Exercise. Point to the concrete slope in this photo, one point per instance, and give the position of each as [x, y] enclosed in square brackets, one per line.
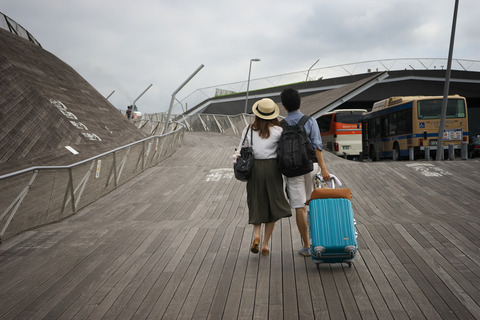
[45, 105]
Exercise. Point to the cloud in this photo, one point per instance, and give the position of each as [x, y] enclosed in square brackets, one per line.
[127, 45]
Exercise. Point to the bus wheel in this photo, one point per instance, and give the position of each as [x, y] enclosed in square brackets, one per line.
[396, 147]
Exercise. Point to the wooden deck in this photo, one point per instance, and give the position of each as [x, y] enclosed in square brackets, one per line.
[173, 243]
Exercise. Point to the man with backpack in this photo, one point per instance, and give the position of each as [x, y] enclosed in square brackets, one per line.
[300, 157]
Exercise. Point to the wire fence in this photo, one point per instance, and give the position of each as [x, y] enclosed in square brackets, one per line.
[203, 94]
[10, 25]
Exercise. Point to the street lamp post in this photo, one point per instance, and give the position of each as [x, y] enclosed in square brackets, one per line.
[134, 101]
[308, 72]
[248, 82]
[441, 128]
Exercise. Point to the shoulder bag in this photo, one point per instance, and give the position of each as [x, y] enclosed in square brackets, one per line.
[244, 165]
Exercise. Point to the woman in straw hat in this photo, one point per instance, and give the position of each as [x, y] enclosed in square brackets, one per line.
[265, 196]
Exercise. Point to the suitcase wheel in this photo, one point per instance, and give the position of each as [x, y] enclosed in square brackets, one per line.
[350, 250]
[319, 250]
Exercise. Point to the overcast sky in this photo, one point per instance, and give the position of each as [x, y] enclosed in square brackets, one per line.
[127, 45]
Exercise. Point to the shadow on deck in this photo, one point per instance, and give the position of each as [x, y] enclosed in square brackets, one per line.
[173, 243]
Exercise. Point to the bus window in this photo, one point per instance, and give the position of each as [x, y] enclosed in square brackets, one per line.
[455, 109]
[384, 127]
[348, 117]
[392, 124]
[404, 121]
[324, 123]
[371, 128]
[377, 128]
[432, 109]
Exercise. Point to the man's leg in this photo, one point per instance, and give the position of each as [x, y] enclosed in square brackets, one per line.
[301, 217]
[297, 192]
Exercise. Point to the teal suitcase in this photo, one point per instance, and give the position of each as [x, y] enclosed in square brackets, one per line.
[332, 230]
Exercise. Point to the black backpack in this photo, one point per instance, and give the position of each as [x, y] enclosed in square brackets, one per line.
[296, 154]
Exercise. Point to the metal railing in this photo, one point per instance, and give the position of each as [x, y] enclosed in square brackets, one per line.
[41, 195]
[203, 94]
[15, 28]
[224, 124]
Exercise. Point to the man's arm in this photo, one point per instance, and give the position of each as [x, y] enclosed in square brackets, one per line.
[316, 140]
[321, 165]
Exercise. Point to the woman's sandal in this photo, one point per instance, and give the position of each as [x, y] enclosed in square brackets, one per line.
[265, 251]
[254, 247]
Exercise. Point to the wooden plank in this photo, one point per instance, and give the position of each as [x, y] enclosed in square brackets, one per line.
[226, 275]
[399, 260]
[113, 271]
[425, 277]
[371, 288]
[290, 307]
[275, 290]
[146, 293]
[60, 297]
[247, 303]
[125, 299]
[37, 283]
[182, 276]
[211, 286]
[400, 302]
[234, 297]
[182, 251]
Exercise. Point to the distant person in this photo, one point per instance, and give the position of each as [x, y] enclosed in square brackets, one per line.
[299, 188]
[265, 196]
[128, 113]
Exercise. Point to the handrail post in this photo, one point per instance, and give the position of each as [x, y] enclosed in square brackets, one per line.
[72, 192]
[173, 97]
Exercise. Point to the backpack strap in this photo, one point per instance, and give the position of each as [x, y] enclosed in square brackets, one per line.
[303, 120]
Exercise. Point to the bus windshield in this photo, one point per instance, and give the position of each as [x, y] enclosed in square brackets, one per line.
[432, 109]
[348, 117]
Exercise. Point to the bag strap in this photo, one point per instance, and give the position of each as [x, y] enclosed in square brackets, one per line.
[251, 136]
[303, 120]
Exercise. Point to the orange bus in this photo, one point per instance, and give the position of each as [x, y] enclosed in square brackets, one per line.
[341, 131]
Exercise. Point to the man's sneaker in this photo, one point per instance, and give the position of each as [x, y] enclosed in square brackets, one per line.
[304, 251]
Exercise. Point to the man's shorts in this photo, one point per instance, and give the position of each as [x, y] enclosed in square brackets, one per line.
[300, 188]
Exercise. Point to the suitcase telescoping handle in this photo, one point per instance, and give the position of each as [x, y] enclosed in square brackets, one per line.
[318, 182]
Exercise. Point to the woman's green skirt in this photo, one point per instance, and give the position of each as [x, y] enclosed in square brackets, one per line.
[265, 193]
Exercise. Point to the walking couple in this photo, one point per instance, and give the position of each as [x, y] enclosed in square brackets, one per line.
[265, 195]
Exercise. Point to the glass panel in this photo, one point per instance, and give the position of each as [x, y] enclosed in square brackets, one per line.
[324, 123]
[432, 109]
[348, 117]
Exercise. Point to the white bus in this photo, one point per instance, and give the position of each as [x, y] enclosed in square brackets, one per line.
[341, 131]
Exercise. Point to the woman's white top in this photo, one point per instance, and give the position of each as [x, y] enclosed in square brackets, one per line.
[263, 148]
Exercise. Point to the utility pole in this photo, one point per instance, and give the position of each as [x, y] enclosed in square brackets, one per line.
[445, 89]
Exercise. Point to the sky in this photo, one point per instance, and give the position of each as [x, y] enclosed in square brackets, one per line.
[124, 46]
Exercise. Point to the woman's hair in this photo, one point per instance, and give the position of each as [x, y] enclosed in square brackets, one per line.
[263, 126]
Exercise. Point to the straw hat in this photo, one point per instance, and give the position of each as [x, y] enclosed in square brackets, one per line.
[266, 109]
